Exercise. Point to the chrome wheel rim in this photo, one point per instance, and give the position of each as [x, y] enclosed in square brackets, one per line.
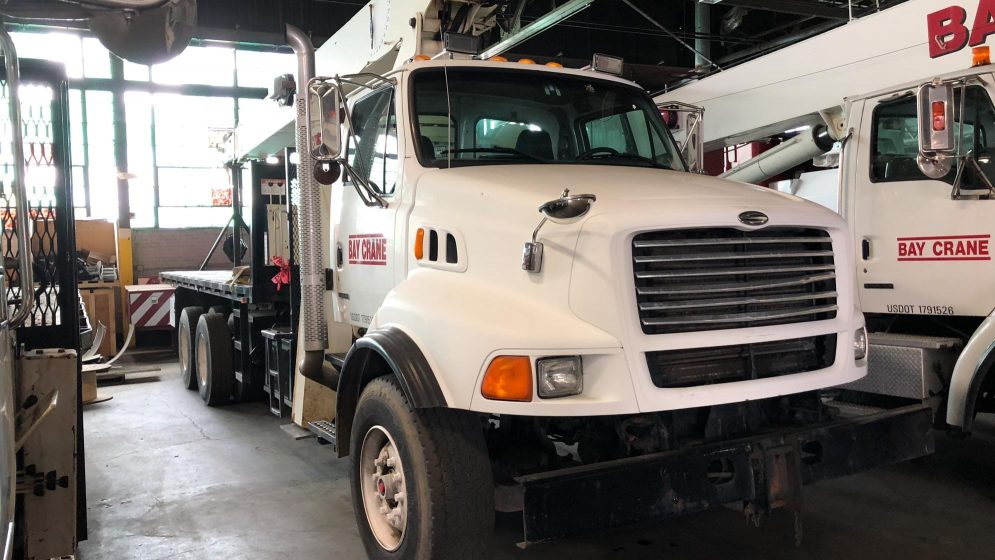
[202, 361]
[184, 350]
[381, 479]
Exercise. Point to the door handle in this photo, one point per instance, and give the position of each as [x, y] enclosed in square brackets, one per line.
[865, 248]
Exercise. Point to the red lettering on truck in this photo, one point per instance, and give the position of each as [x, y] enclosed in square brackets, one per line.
[368, 249]
[948, 31]
[945, 248]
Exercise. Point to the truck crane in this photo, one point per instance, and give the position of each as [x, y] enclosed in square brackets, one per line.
[523, 300]
[910, 106]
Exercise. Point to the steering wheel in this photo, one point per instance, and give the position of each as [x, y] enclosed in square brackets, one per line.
[599, 150]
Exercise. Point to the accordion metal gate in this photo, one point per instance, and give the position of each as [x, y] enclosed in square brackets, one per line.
[55, 320]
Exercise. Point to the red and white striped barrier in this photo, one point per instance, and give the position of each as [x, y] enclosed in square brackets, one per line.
[150, 305]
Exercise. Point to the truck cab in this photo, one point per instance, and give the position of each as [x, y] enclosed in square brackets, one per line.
[924, 231]
[531, 280]
[441, 258]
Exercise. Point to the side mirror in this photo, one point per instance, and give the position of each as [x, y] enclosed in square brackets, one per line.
[937, 145]
[686, 124]
[568, 208]
[324, 132]
[563, 210]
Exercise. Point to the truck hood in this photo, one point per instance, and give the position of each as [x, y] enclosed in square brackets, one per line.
[609, 182]
[493, 210]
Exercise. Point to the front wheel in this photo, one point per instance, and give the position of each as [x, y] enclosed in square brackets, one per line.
[421, 479]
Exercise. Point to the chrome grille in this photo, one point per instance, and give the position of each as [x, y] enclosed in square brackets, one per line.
[722, 278]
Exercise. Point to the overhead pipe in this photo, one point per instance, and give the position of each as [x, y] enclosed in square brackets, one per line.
[312, 265]
[124, 4]
[805, 146]
[702, 32]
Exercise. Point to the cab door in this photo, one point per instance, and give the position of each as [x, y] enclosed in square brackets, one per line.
[364, 236]
[920, 251]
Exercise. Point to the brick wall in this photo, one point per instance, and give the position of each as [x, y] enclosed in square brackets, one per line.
[159, 250]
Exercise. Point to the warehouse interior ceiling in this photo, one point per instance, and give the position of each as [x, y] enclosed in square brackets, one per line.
[662, 42]
[648, 33]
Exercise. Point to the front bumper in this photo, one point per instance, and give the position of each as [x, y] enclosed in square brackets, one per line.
[763, 471]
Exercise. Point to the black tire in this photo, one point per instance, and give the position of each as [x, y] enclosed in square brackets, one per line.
[218, 309]
[448, 487]
[214, 341]
[186, 334]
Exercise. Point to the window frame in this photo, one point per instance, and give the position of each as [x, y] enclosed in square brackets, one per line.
[412, 108]
[391, 111]
[880, 104]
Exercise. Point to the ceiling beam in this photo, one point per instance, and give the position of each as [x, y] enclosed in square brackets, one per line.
[794, 7]
[541, 24]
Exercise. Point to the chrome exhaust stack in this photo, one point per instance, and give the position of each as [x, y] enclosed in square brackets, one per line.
[312, 265]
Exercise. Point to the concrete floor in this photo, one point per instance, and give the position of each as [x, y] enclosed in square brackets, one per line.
[170, 478]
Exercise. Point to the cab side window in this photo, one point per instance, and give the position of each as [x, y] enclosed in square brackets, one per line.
[895, 142]
[372, 151]
[895, 137]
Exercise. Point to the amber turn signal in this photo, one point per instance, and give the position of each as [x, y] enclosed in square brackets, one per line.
[420, 244]
[508, 378]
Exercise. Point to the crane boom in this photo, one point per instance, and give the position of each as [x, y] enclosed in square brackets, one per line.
[799, 84]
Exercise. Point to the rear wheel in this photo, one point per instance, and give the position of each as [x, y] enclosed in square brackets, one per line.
[215, 374]
[186, 333]
[421, 479]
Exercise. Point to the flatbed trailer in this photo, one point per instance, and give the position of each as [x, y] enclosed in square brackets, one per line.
[256, 311]
[213, 282]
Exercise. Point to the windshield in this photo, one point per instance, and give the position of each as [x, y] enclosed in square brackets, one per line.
[494, 116]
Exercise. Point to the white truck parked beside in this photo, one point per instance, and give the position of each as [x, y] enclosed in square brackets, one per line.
[914, 181]
[524, 301]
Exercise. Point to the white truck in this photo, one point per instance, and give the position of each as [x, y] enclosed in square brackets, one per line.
[913, 179]
[524, 301]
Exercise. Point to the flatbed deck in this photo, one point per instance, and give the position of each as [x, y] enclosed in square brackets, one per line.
[215, 282]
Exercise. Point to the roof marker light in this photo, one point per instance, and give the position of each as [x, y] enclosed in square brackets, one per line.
[554, 65]
[526, 61]
[498, 58]
[981, 56]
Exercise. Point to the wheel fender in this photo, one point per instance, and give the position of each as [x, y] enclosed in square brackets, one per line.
[388, 350]
[972, 367]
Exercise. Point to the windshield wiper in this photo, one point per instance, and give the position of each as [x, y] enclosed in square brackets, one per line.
[624, 156]
[498, 150]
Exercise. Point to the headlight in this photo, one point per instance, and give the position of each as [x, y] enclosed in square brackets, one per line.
[860, 344]
[560, 377]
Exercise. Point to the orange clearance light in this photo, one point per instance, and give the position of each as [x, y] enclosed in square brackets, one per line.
[498, 58]
[554, 65]
[526, 61]
[939, 116]
[422, 57]
[420, 244]
[982, 56]
[508, 378]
